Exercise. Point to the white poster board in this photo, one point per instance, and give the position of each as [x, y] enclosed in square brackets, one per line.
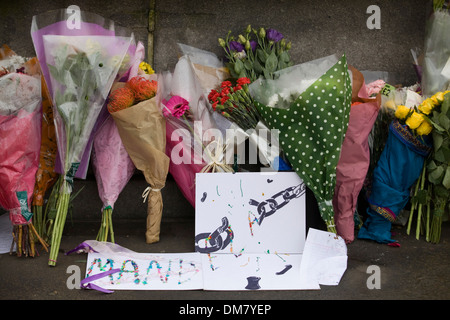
[250, 229]
[250, 213]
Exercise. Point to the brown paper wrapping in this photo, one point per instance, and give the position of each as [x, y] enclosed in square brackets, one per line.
[142, 129]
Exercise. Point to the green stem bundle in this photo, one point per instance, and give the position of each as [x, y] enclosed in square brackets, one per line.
[106, 226]
[60, 220]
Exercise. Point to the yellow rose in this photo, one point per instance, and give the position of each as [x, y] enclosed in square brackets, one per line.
[402, 112]
[424, 128]
[439, 97]
[390, 104]
[414, 120]
[427, 106]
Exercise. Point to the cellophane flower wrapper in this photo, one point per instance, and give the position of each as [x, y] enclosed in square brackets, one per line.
[185, 135]
[113, 167]
[399, 166]
[79, 66]
[354, 161]
[20, 131]
[56, 23]
[210, 73]
[310, 104]
[436, 61]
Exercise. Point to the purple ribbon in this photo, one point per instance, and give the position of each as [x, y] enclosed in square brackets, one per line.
[85, 283]
[83, 247]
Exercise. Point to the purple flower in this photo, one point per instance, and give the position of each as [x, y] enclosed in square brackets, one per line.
[253, 45]
[236, 46]
[273, 35]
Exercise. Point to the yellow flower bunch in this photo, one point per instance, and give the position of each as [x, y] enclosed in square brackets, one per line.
[144, 66]
[417, 120]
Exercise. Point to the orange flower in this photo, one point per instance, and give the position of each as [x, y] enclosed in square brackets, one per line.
[120, 98]
[143, 89]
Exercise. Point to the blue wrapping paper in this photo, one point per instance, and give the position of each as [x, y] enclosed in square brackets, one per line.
[399, 166]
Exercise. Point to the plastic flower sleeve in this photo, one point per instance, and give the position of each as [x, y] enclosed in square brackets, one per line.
[312, 119]
[20, 129]
[187, 135]
[80, 65]
[112, 165]
[436, 62]
[67, 22]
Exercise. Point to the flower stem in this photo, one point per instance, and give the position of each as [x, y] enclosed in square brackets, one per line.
[60, 220]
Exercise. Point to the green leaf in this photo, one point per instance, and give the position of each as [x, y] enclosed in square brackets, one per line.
[238, 66]
[444, 121]
[445, 106]
[431, 165]
[437, 141]
[271, 63]
[436, 175]
[257, 67]
[54, 72]
[262, 55]
[422, 197]
[248, 65]
[446, 180]
[284, 56]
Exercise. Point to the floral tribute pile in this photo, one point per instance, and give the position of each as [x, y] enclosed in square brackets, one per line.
[88, 97]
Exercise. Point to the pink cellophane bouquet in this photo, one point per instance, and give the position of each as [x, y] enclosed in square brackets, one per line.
[20, 132]
[112, 165]
[79, 65]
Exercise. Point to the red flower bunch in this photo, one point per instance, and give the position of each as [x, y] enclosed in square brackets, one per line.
[143, 88]
[234, 102]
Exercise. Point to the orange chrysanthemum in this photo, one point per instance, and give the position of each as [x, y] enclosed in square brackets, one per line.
[143, 88]
[120, 98]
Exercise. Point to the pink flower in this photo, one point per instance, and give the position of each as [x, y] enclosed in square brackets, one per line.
[176, 106]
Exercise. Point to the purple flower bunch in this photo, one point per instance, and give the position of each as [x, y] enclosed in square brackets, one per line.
[256, 53]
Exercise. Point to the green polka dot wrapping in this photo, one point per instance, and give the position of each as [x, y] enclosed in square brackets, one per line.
[312, 130]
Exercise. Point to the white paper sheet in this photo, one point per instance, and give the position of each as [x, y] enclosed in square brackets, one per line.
[324, 258]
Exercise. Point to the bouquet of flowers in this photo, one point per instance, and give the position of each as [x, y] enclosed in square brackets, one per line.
[112, 165]
[431, 194]
[79, 68]
[75, 22]
[135, 109]
[20, 129]
[354, 161]
[188, 117]
[235, 102]
[310, 104]
[399, 166]
[256, 53]
[46, 175]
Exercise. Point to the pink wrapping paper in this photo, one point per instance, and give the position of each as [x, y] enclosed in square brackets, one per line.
[113, 167]
[19, 159]
[183, 174]
[353, 163]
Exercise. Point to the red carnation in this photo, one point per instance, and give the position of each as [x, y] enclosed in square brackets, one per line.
[243, 80]
[225, 84]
